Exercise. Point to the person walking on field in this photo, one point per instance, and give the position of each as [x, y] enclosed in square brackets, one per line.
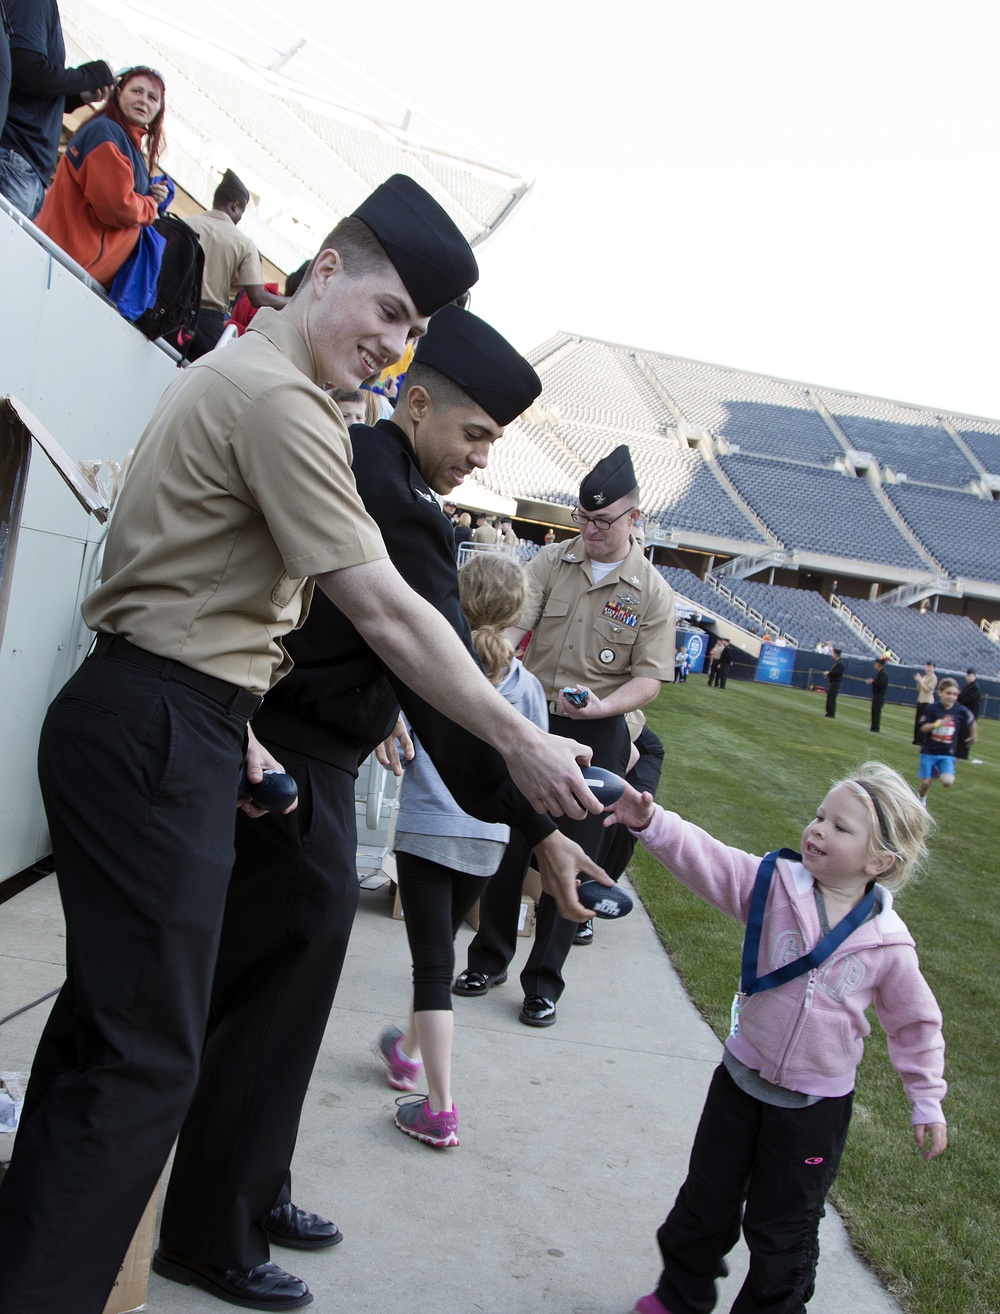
[834, 677]
[879, 685]
[926, 682]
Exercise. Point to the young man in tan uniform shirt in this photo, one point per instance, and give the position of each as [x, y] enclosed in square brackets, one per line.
[240, 489]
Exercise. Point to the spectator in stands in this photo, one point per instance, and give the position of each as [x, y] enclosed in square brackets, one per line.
[879, 684]
[834, 677]
[550, 535]
[484, 531]
[970, 697]
[244, 309]
[444, 857]
[600, 586]
[463, 530]
[230, 258]
[106, 188]
[507, 536]
[926, 682]
[941, 726]
[42, 89]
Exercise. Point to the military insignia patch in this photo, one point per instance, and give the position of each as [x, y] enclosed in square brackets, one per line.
[607, 656]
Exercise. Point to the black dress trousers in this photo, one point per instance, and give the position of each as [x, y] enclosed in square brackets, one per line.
[289, 913]
[494, 945]
[139, 778]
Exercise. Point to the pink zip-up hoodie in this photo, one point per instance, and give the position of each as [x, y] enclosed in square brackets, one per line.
[808, 1035]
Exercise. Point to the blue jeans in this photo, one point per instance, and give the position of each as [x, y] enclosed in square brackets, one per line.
[20, 183]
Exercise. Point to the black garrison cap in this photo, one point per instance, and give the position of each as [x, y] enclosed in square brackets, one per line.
[611, 478]
[233, 186]
[481, 362]
[431, 256]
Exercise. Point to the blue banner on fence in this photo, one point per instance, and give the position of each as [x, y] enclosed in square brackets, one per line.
[775, 664]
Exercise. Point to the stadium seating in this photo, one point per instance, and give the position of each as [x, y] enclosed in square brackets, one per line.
[689, 586]
[983, 439]
[952, 643]
[761, 415]
[805, 615]
[902, 439]
[820, 510]
[962, 532]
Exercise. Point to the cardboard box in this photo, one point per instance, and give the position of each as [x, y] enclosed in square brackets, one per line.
[530, 895]
[129, 1292]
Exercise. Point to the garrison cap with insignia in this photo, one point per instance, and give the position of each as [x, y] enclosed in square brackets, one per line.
[610, 479]
[481, 362]
[429, 253]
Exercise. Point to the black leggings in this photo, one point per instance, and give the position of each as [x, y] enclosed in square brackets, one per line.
[435, 900]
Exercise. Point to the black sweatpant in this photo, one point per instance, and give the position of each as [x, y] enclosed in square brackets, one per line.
[773, 1167]
[139, 778]
[435, 901]
[878, 702]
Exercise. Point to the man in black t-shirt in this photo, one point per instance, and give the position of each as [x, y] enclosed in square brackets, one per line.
[970, 697]
[833, 677]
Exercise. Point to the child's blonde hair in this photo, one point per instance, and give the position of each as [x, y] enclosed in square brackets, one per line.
[948, 683]
[492, 588]
[898, 825]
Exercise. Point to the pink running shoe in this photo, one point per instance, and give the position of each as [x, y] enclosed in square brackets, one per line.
[402, 1072]
[415, 1118]
[650, 1304]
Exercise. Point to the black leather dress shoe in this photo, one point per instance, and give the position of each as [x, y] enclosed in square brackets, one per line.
[287, 1225]
[265, 1287]
[476, 983]
[537, 1011]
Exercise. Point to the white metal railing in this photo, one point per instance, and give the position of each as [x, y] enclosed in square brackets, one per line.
[750, 612]
[856, 623]
[991, 629]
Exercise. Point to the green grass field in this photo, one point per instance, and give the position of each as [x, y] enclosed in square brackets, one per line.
[749, 764]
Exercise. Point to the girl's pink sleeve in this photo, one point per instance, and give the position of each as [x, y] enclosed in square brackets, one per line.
[722, 876]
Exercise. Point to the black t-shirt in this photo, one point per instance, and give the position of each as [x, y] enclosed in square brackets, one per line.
[955, 725]
[38, 96]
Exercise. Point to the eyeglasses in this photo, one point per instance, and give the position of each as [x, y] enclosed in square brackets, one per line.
[599, 522]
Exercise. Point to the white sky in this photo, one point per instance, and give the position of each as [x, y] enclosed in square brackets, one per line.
[790, 187]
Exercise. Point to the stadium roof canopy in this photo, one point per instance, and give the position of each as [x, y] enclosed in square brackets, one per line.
[307, 159]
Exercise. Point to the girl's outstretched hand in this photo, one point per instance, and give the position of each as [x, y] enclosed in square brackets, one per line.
[938, 1137]
[632, 809]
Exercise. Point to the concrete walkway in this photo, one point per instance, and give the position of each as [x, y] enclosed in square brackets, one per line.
[574, 1139]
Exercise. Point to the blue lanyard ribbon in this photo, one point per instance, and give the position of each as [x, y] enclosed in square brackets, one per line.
[750, 982]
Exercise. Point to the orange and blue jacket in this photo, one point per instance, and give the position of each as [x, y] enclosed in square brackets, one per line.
[97, 202]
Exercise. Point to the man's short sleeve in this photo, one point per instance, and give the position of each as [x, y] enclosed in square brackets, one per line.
[653, 651]
[249, 273]
[293, 458]
[537, 573]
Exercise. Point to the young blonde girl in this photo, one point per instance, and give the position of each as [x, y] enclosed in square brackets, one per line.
[770, 1138]
[443, 858]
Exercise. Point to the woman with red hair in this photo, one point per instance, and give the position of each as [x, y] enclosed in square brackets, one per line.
[101, 195]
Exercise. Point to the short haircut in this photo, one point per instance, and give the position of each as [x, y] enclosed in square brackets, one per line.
[970, 671]
[444, 392]
[837, 652]
[898, 824]
[228, 192]
[358, 247]
[947, 683]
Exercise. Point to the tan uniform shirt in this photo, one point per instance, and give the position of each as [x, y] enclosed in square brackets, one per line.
[926, 684]
[598, 635]
[230, 257]
[484, 534]
[239, 490]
